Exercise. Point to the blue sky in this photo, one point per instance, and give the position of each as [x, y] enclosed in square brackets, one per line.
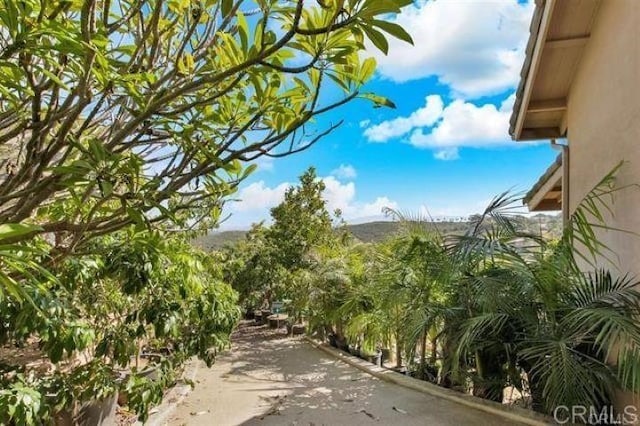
[445, 148]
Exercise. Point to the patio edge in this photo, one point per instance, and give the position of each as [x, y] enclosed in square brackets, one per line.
[512, 413]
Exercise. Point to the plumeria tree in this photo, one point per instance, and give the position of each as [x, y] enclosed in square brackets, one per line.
[120, 112]
[126, 122]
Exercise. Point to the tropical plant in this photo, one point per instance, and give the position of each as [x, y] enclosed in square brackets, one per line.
[499, 306]
[125, 122]
[535, 310]
[142, 295]
[277, 262]
[145, 112]
[301, 222]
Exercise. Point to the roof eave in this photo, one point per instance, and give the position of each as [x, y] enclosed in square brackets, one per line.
[537, 34]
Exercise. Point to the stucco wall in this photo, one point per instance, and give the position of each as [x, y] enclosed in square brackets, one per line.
[604, 128]
[604, 121]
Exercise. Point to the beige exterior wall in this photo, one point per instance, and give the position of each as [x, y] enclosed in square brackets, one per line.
[604, 121]
[604, 127]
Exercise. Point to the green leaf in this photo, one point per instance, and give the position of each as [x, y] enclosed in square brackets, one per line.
[56, 352]
[243, 30]
[402, 3]
[249, 170]
[226, 7]
[106, 187]
[393, 29]
[377, 38]
[10, 230]
[379, 101]
[367, 69]
[54, 78]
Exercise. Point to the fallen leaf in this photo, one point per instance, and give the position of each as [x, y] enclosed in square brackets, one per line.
[368, 414]
[399, 410]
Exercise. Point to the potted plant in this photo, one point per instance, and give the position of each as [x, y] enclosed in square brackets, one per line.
[385, 355]
[249, 313]
[333, 340]
[298, 329]
[264, 316]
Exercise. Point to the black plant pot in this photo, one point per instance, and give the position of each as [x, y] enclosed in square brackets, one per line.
[373, 358]
[333, 341]
[386, 355]
[343, 345]
[250, 314]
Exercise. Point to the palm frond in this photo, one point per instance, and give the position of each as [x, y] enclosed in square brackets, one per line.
[567, 376]
[590, 215]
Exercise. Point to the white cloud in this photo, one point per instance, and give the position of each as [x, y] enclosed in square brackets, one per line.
[375, 208]
[459, 124]
[337, 194]
[475, 47]
[264, 163]
[464, 124]
[447, 154]
[258, 196]
[345, 171]
[364, 123]
[425, 116]
[256, 200]
[343, 196]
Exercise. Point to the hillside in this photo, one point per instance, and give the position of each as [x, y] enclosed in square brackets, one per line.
[372, 232]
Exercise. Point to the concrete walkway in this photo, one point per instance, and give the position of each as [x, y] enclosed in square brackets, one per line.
[269, 379]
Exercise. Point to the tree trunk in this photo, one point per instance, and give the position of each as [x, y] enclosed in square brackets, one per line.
[535, 389]
[398, 350]
[434, 351]
[489, 384]
[423, 354]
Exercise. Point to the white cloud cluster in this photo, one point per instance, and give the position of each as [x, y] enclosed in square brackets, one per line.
[258, 196]
[459, 124]
[345, 171]
[256, 199]
[364, 123]
[425, 116]
[264, 163]
[343, 196]
[475, 47]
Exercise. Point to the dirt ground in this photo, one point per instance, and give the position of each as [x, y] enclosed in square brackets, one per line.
[269, 379]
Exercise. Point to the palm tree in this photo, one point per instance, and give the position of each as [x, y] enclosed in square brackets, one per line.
[534, 310]
[419, 269]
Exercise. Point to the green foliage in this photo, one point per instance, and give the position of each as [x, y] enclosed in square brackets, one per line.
[278, 262]
[146, 113]
[301, 222]
[124, 123]
[498, 304]
[135, 290]
[19, 402]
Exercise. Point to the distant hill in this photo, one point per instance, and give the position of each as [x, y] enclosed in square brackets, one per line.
[373, 232]
[219, 240]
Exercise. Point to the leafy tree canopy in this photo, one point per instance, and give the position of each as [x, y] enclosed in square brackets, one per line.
[145, 112]
[301, 222]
